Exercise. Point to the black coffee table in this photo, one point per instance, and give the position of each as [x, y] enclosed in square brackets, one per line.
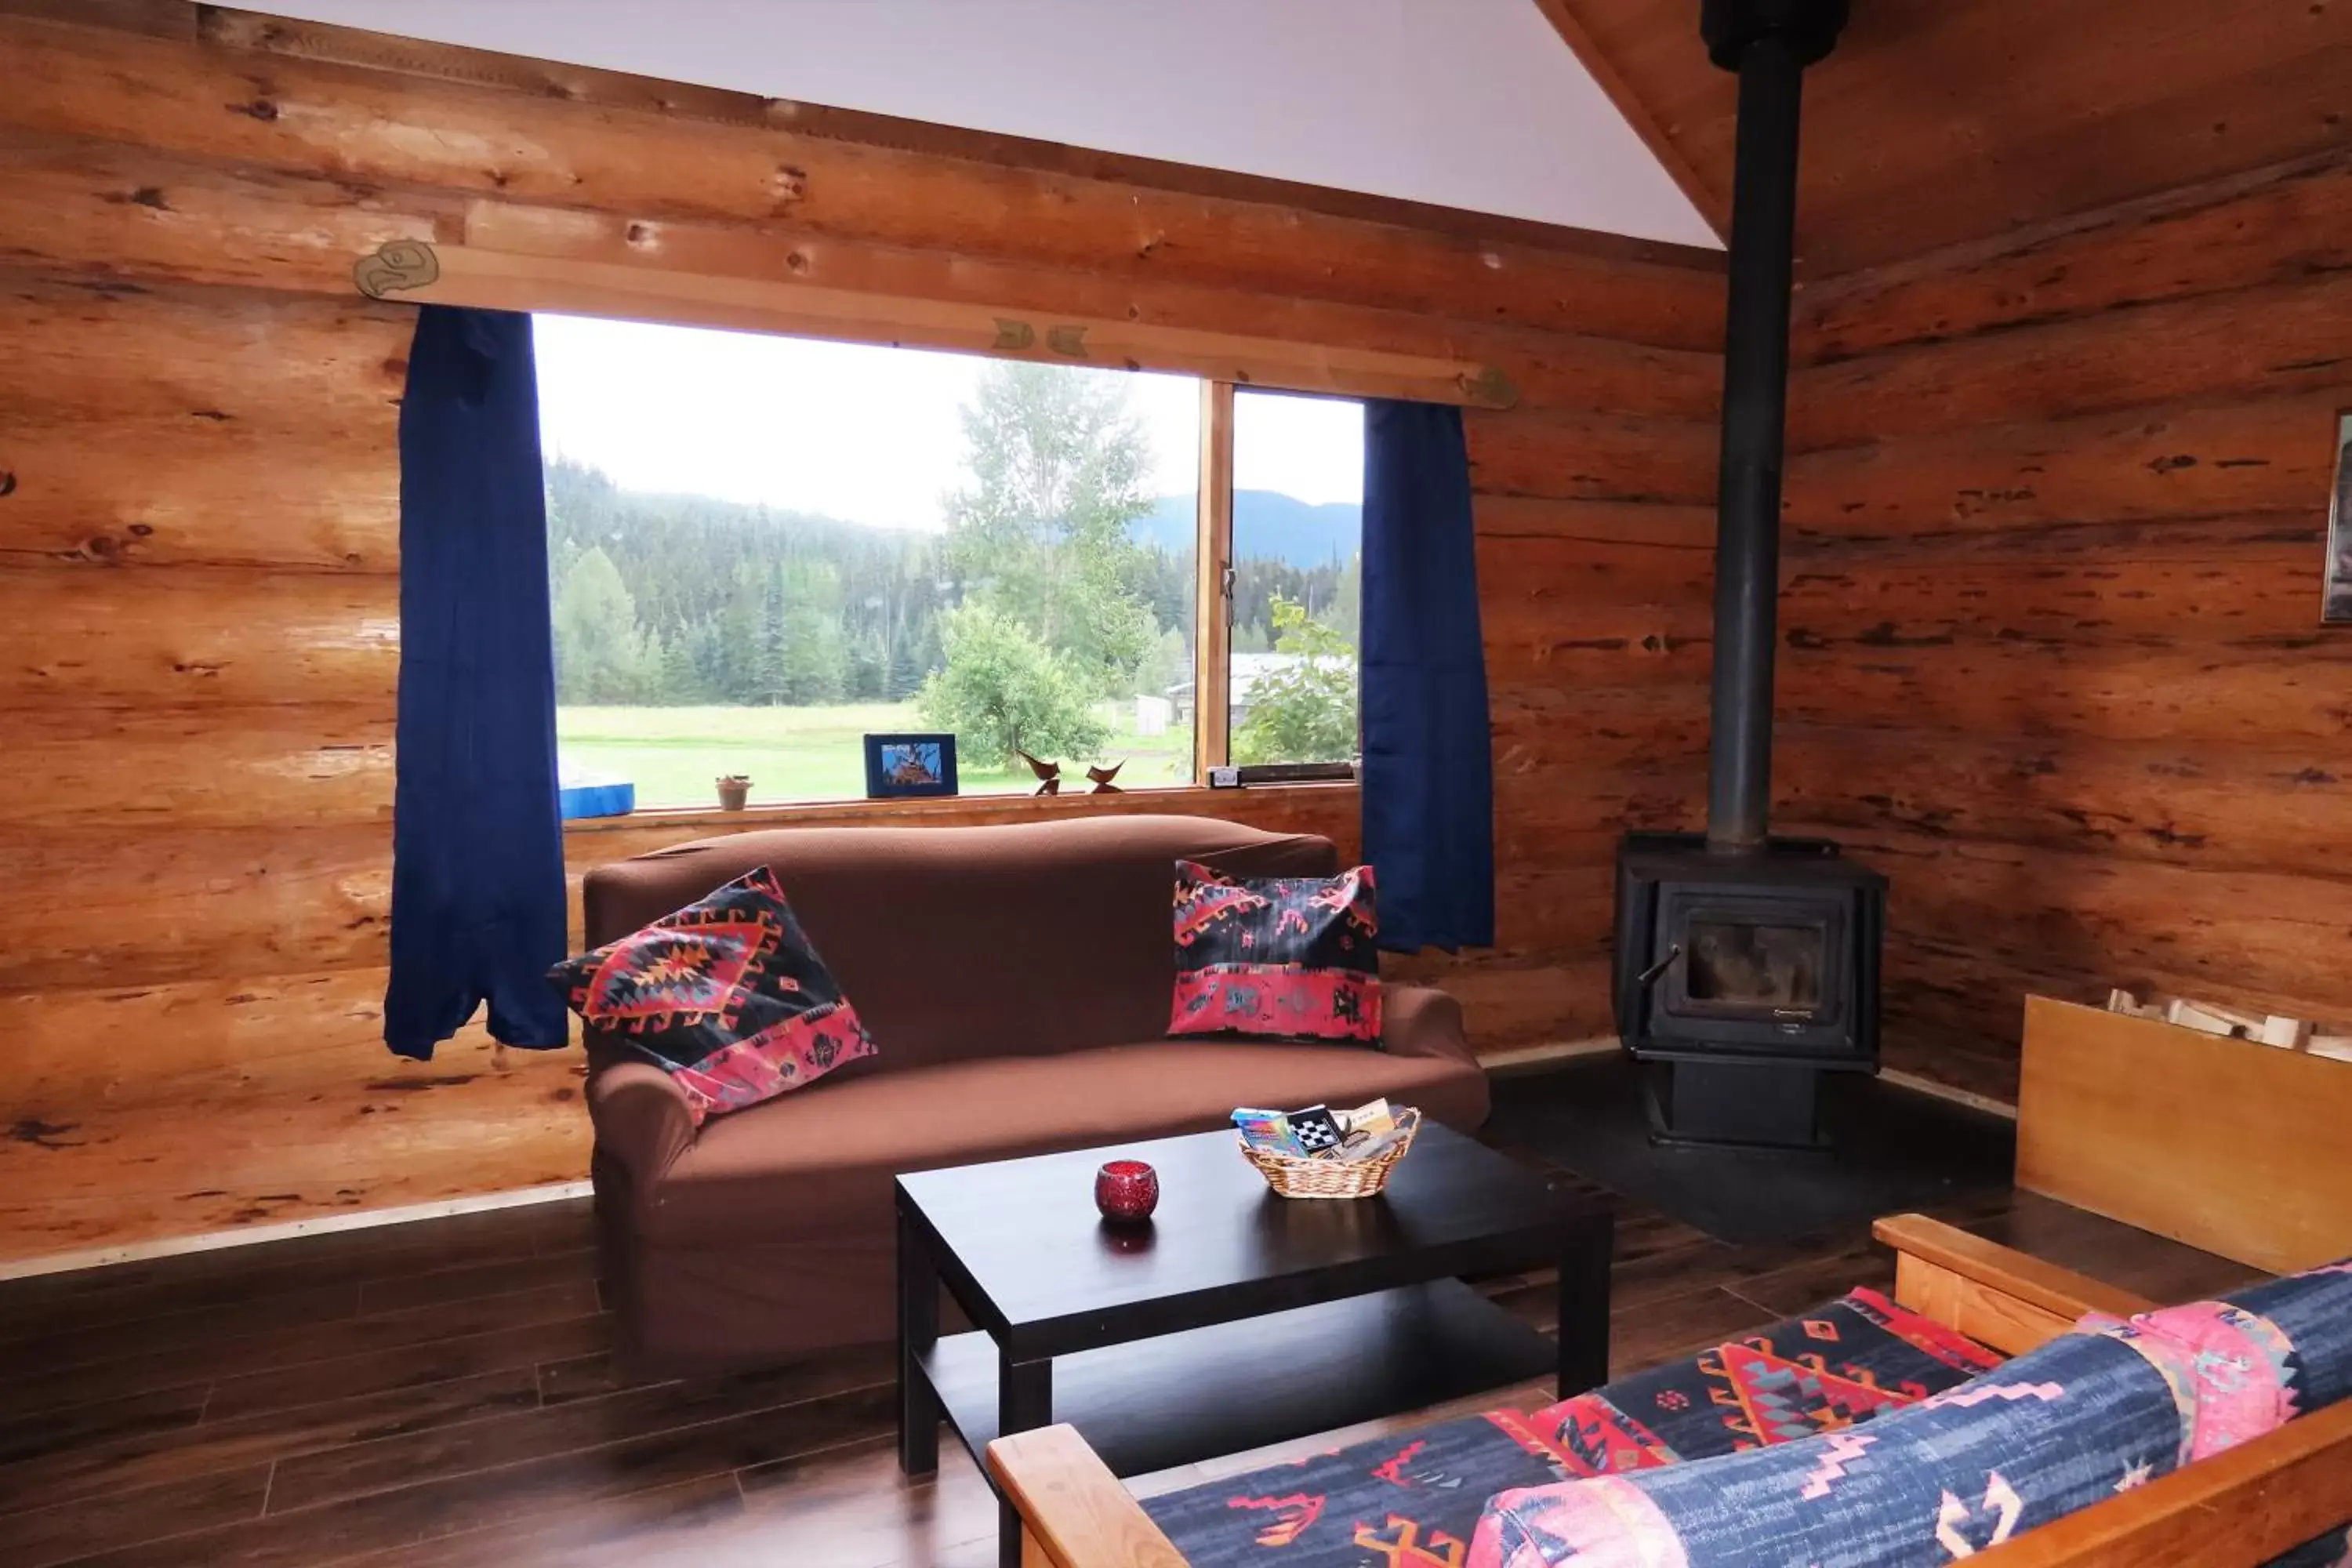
[1233, 1318]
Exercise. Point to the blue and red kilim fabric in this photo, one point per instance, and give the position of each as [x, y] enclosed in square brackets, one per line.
[1415, 1501]
[2092, 1414]
[727, 996]
[1282, 957]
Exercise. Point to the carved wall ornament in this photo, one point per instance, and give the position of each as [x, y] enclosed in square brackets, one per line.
[395, 265]
[1490, 388]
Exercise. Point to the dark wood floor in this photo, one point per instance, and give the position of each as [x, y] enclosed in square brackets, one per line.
[445, 1394]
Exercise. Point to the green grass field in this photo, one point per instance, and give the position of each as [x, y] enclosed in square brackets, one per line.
[673, 754]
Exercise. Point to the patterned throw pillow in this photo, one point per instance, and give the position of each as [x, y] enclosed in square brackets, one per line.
[1278, 957]
[726, 996]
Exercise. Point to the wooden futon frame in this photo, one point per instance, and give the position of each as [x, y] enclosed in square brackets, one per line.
[2225, 1144]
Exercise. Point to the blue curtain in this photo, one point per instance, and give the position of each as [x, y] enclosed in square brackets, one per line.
[1428, 784]
[477, 843]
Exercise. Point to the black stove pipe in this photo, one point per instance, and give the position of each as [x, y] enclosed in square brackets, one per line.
[1770, 43]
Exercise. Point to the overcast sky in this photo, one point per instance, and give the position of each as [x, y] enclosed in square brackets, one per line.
[862, 433]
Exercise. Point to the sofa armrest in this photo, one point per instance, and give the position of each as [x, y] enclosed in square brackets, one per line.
[1417, 1021]
[640, 1120]
[1073, 1513]
[1996, 1295]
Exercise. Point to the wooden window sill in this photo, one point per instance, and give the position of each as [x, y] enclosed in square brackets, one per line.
[1188, 799]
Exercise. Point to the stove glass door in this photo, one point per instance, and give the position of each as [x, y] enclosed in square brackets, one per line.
[1746, 963]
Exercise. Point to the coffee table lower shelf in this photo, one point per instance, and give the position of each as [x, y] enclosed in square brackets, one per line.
[1183, 1397]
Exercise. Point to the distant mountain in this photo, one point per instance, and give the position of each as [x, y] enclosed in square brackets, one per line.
[1268, 524]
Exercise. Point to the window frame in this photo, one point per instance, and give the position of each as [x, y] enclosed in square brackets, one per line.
[1213, 655]
[1213, 586]
[1212, 627]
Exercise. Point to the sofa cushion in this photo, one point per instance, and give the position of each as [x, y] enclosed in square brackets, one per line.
[820, 1166]
[725, 994]
[1277, 957]
[1407, 1497]
[1849, 1360]
[1840, 1365]
[908, 918]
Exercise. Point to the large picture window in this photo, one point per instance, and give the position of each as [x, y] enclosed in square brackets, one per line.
[764, 548]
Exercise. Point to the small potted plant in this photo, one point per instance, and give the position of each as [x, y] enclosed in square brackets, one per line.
[734, 789]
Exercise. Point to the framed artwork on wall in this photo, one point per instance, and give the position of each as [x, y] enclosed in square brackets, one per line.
[899, 766]
[2336, 606]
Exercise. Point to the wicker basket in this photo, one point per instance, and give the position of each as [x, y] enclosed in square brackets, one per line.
[1293, 1178]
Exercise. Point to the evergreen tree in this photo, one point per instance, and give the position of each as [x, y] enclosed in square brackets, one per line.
[695, 600]
[601, 654]
[905, 668]
[680, 682]
[1168, 663]
[1346, 614]
[811, 654]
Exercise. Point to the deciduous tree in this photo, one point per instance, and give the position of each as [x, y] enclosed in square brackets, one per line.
[1004, 691]
[1058, 465]
[1303, 711]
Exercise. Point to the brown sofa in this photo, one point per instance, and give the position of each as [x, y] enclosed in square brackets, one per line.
[1016, 981]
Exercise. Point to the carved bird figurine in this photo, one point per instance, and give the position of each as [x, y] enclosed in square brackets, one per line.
[1102, 777]
[1049, 775]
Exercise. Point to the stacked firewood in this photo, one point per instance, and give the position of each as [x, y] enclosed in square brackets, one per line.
[2214, 1018]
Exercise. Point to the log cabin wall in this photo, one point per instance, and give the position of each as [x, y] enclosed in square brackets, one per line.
[2051, 648]
[199, 636]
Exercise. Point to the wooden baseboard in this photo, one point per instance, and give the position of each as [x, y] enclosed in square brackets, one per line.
[1535, 1059]
[249, 1236]
[1546, 1053]
[1918, 1085]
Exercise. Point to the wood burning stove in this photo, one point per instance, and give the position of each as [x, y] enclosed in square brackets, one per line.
[1743, 978]
[1747, 967]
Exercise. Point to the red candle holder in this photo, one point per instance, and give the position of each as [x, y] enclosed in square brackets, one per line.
[1127, 1190]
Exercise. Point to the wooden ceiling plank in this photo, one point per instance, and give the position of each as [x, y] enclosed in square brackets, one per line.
[1942, 125]
[1972, 133]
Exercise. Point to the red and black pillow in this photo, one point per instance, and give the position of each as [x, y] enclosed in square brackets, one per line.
[727, 996]
[1277, 957]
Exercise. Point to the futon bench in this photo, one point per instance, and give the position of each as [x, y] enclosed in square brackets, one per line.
[2232, 1504]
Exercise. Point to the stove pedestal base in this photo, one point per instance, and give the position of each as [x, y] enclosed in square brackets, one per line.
[1737, 1105]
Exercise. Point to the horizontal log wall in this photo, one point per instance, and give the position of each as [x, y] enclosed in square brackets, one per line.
[199, 634]
[2052, 653]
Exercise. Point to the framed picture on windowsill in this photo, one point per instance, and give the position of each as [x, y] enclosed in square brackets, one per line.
[2335, 605]
[901, 768]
